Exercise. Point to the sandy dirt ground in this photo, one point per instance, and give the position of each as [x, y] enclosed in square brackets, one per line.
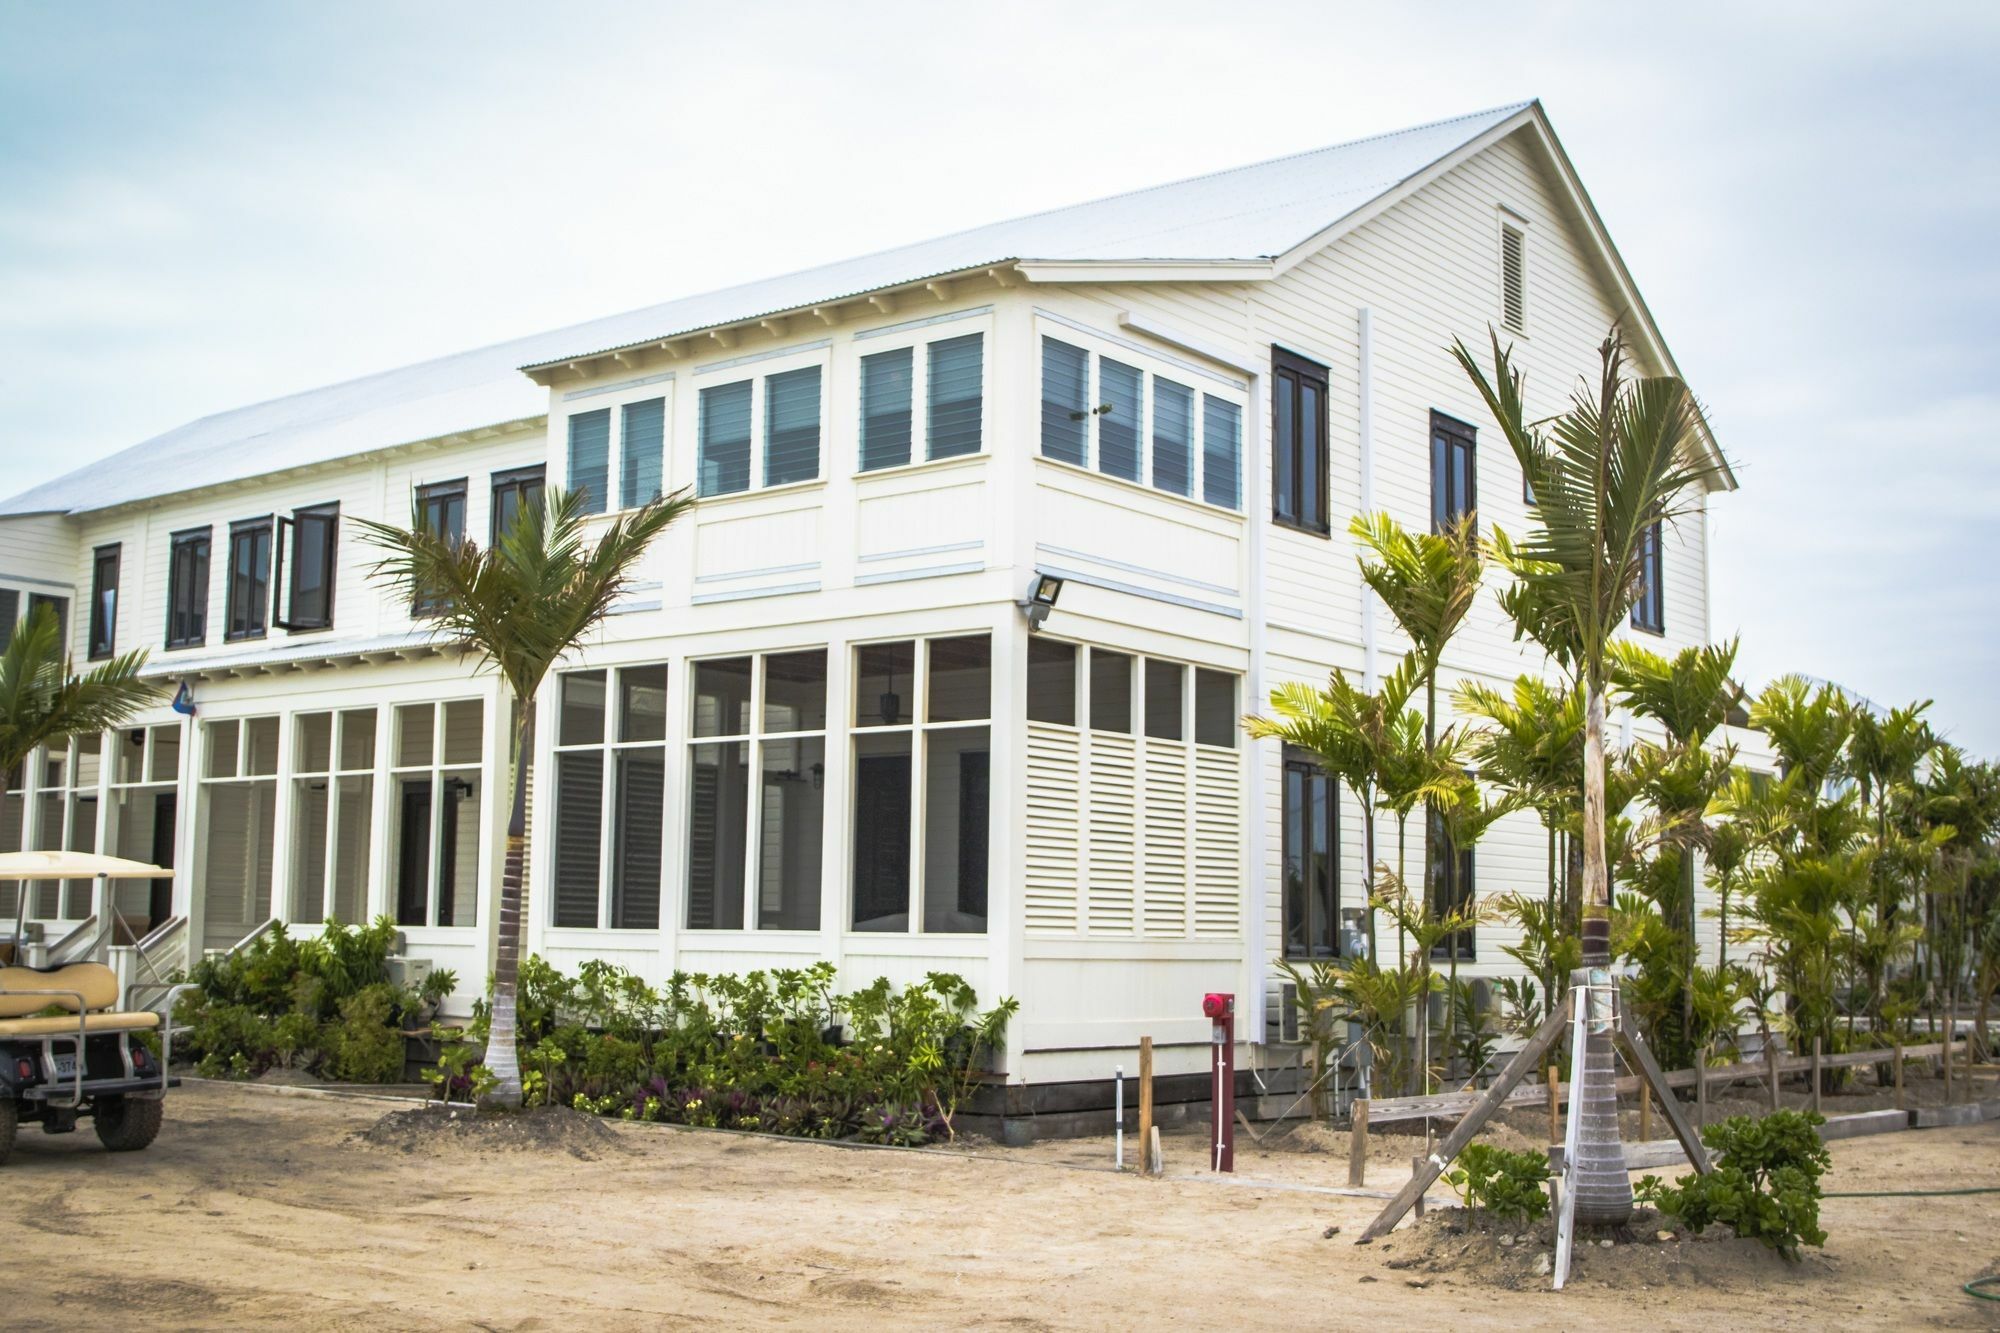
[256, 1208]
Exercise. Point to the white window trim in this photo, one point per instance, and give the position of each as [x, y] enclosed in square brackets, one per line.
[918, 337]
[339, 721]
[616, 399]
[392, 773]
[758, 374]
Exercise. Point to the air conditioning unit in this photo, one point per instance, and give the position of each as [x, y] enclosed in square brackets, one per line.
[409, 972]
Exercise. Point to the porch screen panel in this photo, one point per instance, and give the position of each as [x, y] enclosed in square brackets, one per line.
[957, 395]
[637, 825]
[579, 806]
[1065, 409]
[1218, 842]
[886, 386]
[1054, 829]
[1114, 841]
[791, 427]
[1166, 841]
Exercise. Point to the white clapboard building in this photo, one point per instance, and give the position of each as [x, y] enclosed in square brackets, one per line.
[823, 726]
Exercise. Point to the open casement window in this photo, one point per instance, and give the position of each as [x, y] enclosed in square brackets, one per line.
[513, 492]
[1649, 608]
[104, 602]
[1298, 443]
[306, 544]
[187, 589]
[1454, 472]
[248, 579]
[440, 509]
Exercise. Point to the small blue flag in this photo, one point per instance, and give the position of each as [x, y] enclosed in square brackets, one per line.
[184, 700]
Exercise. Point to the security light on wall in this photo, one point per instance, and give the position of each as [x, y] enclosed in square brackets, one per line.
[1041, 599]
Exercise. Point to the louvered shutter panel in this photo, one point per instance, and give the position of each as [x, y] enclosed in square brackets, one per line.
[639, 452]
[1166, 846]
[1054, 829]
[1221, 452]
[1065, 405]
[1113, 833]
[1513, 278]
[1218, 842]
[724, 440]
[579, 805]
[956, 395]
[885, 409]
[590, 458]
[1173, 437]
[791, 427]
[1118, 429]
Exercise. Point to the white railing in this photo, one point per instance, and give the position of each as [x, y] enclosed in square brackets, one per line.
[75, 946]
[153, 960]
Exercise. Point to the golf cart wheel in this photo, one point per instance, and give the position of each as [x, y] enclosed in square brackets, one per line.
[10, 1121]
[127, 1124]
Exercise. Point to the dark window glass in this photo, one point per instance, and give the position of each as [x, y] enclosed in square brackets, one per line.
[795, 691]
[249, 579]
[956, 395]
[440, 510]
[590, 458]
[513, 493]
[642, 703]
[882, 832]
[1214, 707]
[187, 589]
[60, 607]
[1298, 442]
[1052, 682]
[957, 798]
[579, 836]
[1173, 437]
[722, 697]
[1121, 387]
[723, 453]
[791, 426]
[961, 679]
[580, 720]
[1065, 402]
[1451, 890]
[718, 816]
[10, 616]
[886, 387]
[1454, 491]
[1311, 821]
[637, 825]
[104, 602]
[306, 549]
[641, 444]
[884, 683]
[1649, 607]
[1221, 452]
[1110, 691]
[792, 823]
[1164, 683]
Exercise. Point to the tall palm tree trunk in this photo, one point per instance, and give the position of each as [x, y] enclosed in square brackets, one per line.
[502, 1047]
[1603, 1188]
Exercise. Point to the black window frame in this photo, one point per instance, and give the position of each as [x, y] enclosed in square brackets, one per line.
[300, 523]
[103, 642]
[1649, 603]
[436, 495]
[521, 483]
[59, 605]
[1290, 372]
[190, 564]
[242, 532]
[1310, 772]
[1454, 881]
[10, 615]
[1448, 435]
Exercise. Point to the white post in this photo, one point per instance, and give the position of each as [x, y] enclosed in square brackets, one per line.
[1118, 1098]
[1566, 1220]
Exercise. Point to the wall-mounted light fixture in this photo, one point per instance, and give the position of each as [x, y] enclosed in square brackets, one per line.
[1041, 599]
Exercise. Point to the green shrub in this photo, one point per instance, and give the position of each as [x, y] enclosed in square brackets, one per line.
[1765, 1181]
[1508, 1185]
[364, 1044]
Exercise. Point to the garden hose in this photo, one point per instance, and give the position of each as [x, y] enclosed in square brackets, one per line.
[1972, 1288]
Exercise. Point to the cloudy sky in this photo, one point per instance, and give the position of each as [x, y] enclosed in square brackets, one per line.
[203, 206]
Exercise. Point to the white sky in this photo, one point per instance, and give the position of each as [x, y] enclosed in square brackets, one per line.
[204, 206]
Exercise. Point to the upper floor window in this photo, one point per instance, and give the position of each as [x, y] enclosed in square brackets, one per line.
[641, 452]
[10, 616]
[1649, 610]
[1454, 474]
[590, 458]
[1513, 277]
[786, 404]
[1298, 442]
[248, 579]
[104, 601]
[952, 388]
[58, 605]
[307, 543]
[440, 510]
[187, 588]
[513, 492]
[1150, 429]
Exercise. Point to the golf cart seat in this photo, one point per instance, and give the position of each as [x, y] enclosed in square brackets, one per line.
[27, 991]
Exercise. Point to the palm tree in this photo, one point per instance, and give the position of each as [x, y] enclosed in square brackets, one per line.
[519, 606]
[43, 702]
[1622, 458]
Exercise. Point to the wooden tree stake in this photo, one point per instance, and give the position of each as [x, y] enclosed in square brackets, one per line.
[1815, 1073]
[1645, 1113]
[1146, 1104]
[1555, 1106]
[1357, 1145]
[1771, 1061]
[1899, 1073]
[1701, 1090]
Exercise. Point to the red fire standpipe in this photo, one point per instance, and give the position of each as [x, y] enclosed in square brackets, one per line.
[1221, 1012]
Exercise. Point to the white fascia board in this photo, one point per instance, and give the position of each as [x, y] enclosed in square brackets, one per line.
[1147, 270]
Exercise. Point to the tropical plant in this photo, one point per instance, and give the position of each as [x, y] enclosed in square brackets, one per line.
[519, 606]
[1765, 1181]
[1617, 465]
[43, 701]
[1510, 1186]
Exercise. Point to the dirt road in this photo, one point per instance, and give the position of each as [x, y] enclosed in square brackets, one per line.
[259, 1209]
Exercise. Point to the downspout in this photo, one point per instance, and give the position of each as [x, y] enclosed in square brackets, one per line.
[1255, 508]
[1365, 429]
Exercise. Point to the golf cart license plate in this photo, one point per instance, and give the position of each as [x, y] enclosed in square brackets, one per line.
[65, 1066]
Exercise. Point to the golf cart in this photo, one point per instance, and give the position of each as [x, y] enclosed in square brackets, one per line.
[68, 1047]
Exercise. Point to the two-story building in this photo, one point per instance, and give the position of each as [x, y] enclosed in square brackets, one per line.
[824, 726]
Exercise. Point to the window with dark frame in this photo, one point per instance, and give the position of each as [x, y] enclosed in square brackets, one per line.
[514, 492]
[10, 616]
[1298, 443]
[306, 544]
[248, 580]
[59, 605]
[187, 588]
[104, 602]
[1454, 472]
[1451, 890]
[1311, 850]
[1649, 610]
[440, 509]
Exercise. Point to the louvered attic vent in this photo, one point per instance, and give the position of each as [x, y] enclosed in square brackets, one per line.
[1513, 278]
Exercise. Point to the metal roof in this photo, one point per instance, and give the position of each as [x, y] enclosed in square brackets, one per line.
[1249, 213]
